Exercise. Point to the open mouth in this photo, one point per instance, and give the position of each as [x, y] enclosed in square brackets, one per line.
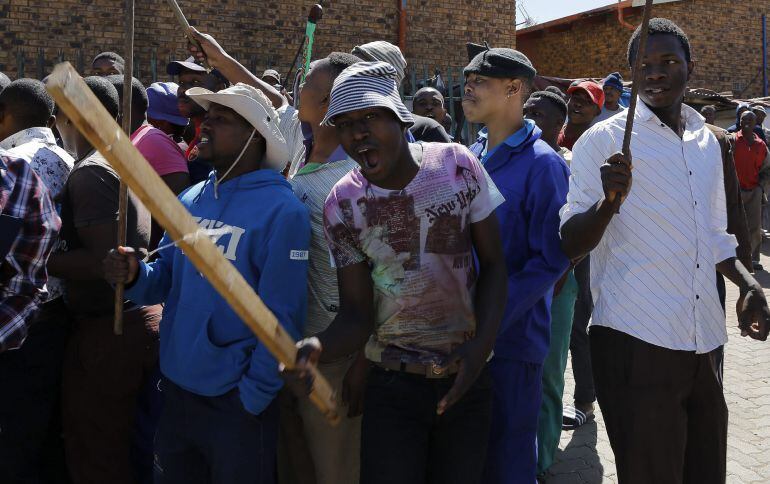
[204, 140]
[656, 91]
[369, 157]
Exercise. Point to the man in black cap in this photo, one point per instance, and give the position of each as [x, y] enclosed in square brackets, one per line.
[534, 181]
[192, 74]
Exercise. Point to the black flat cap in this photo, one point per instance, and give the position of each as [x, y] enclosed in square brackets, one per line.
[501, 62]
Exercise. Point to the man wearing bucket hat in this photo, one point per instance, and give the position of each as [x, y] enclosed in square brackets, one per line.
[534, 180]
[403, 229]
[220, 418]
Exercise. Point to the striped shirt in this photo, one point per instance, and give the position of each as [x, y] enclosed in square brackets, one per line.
[652, 274]
[312, 185]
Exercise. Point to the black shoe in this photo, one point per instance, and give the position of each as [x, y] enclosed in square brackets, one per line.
[758, 266]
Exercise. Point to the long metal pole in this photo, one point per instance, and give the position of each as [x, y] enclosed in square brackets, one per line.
[128, 75]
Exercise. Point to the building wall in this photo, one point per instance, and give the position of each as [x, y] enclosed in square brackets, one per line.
[260, 33]
[726, 40]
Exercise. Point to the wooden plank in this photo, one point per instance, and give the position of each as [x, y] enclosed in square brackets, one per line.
[84, 109]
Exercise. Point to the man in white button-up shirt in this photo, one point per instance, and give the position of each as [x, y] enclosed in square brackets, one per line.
[658, 326]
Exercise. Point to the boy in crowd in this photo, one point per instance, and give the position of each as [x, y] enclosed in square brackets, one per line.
[613, 89]
[220, 422]
[533, 178]
[102, 372]
[163, 112]
[403, 229]
[586, 100]
[26, 116]
[190, 74]
[334, 450]
[107, 63]
[548, 111]
[429, 102]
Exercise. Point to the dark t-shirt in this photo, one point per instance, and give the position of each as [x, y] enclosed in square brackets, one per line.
[429, 130]
[90, 197]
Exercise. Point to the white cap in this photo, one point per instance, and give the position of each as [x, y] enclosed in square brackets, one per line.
[251, 104]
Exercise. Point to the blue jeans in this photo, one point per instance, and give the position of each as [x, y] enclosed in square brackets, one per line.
[403, 440]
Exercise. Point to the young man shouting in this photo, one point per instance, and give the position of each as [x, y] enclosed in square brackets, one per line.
[403, 229]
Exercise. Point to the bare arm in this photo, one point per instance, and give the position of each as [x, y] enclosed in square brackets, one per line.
[354, 323]
[233, 70]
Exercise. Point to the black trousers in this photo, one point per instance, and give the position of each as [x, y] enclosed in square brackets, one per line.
[403, 440]
[664, 410]
[31, 446]
[579, 344]
[214, 440]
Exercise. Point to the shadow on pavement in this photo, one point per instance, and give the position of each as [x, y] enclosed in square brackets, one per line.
[579, 457]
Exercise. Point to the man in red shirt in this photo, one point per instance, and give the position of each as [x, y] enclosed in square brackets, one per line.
[751, 163]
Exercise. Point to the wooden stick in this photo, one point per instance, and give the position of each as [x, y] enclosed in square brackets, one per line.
[636, 81]
[84, 109]
[128, 75]
[185, 25]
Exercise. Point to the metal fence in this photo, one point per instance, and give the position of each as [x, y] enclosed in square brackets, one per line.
[448, 80]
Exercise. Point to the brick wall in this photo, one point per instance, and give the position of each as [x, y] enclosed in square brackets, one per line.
[260, 33]
[726, 39]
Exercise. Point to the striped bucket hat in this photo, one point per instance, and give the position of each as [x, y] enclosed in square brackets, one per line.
[366, 85]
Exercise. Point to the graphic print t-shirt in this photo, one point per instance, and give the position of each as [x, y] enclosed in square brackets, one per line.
[417, 242]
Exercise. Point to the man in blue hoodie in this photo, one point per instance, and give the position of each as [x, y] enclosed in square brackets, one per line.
[534, 181]
[220, 421]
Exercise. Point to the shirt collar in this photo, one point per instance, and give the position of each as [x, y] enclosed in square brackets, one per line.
[44, 135]
[693, 121]
[514, 140]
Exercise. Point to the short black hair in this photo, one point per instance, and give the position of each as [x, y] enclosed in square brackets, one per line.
[709, 107]
[555, 99]
[30, 102]
[337, 62]
[658, 26]
[115, 58]
[139, 100]
[4, 81]
[106, 94]
[556, 91]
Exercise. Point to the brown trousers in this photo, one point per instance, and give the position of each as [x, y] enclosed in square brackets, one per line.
[103, 375]
[664, 410]
[752, 203]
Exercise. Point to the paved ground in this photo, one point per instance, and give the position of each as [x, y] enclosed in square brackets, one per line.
[585, 456]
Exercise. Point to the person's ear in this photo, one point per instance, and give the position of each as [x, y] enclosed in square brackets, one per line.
[514, 87]
[690, 68]
[51, 122]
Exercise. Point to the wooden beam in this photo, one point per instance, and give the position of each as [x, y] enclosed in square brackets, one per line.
[81, 106]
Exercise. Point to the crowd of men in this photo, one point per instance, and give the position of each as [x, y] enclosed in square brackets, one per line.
[438, 288]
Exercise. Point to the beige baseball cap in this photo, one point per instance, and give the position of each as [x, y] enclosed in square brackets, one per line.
[251, 104]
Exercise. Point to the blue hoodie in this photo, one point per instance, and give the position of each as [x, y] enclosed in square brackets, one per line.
[534, 181]
[205, 348]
